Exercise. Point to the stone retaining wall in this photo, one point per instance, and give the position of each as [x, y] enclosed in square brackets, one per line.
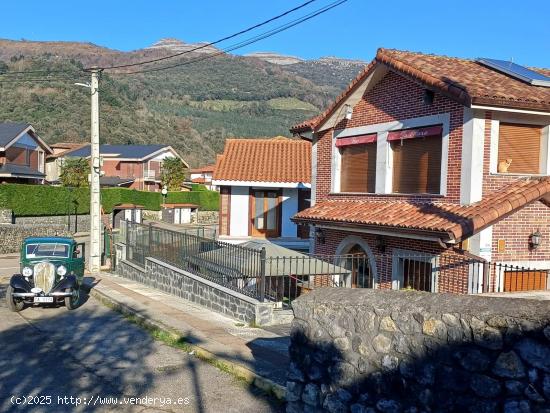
[215, 297]
[373, 351]
[12, 235]
[57, 220]
[6, 216]
[205, 217]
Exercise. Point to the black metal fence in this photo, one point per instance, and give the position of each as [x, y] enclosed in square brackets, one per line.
[281, 279]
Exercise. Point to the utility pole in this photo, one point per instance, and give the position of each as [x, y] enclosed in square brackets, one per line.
[95, 194]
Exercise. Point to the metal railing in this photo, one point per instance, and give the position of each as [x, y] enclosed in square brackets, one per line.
[150, 174]
[281, 279]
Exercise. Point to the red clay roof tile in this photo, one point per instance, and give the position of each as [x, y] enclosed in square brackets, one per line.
[451, 220]
[278, 159]
[463, 80]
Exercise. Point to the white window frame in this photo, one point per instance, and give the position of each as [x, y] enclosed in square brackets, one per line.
[384, 154]
[398, 255]
[524, 119]
[41, 160]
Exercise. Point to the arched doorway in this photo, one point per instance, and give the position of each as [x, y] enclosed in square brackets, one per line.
[355, 255]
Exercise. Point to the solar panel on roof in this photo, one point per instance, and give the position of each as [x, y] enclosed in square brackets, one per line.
[517, 71]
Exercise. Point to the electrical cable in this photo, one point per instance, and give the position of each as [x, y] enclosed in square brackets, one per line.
[245, 42]
[214, 42]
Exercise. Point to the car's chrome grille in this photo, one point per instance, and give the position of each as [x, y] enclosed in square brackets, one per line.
[44, 276]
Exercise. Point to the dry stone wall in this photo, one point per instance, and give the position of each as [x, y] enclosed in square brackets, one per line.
[367, 351]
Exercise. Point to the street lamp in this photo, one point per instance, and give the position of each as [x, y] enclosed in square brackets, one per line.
[164, 192]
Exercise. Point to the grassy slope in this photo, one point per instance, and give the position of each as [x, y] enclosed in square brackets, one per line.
[194, 108]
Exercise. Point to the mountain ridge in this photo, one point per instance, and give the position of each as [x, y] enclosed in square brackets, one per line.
[193, 107]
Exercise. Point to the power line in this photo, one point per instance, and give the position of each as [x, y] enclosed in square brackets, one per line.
[46, 71]
[215, 42]
[47, 79]
[244, 43]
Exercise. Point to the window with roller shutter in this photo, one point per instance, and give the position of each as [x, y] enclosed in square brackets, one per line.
[358, 164]
[417, 160]
[522, 145]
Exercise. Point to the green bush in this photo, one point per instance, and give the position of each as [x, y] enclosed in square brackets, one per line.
[206, 200]
[198, 187]
[42, 200]
[114, 196]
[39, 200]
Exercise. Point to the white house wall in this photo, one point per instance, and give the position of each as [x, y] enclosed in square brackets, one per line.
[238, 225]
[289, 208]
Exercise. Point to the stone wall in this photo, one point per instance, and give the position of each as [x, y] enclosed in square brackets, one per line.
[205, 217]
[57, 220]
[12, 235]
[198, 290]
[6, 216]
[373, 351]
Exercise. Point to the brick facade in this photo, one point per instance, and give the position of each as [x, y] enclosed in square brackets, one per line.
[378, 105]
[514, 230]
[398, 98]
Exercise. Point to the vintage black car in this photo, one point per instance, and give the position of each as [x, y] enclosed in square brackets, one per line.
[52, 270]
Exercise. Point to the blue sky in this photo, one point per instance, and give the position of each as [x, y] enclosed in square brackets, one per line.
[490, 28]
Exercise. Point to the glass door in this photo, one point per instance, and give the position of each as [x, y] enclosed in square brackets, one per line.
[265, 213]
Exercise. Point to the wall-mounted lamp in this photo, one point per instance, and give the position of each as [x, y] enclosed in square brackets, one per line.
[535, 239]
[381, 244]
[320, 235]
[349, 111]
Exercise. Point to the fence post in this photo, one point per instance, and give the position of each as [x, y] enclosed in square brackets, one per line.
[262, 274]
[485, 288]
[150, 243]
[127, 227]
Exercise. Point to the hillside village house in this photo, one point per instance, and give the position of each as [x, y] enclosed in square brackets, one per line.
[203, 175]
[263, 182]
[428, 157]
[131, 166]
[22, 154]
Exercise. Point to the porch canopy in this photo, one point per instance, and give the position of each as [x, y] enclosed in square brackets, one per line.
[280, 261]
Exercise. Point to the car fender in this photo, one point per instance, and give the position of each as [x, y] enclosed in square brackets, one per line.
[69, 282]
[18, 282]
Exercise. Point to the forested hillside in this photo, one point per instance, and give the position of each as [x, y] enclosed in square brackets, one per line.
[193, 107]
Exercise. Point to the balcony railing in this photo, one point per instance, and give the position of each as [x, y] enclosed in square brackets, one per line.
[150, 174]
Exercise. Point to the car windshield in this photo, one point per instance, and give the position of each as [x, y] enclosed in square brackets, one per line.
[47, 250]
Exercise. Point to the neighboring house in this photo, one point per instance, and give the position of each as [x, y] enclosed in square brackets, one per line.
[54, 161]
[22, 154]
[437, 157]
[263, 182]
[132, 166]
[203, 175]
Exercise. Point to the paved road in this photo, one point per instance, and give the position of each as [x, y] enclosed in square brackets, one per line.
[93, 353]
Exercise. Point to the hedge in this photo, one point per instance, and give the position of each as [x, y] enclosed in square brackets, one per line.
[42, 200]
[206, 200]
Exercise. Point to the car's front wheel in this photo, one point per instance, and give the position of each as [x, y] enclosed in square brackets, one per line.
[14, 304]
[72, 302]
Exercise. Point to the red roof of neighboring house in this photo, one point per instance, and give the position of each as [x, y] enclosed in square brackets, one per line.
[278, 159]
[198, 180]
[451, 220]
[128, 206]
[180, 205]
[202, 169]
[463, 80]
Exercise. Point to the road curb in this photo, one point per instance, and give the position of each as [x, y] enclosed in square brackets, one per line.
[236, 369]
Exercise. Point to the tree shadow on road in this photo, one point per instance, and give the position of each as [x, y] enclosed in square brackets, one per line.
[93, 354]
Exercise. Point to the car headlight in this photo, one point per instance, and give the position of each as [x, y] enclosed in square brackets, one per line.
[61, 270]
[27, 272]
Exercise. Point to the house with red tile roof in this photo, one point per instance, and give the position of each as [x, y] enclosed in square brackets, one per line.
[130, 166]
[203, 175]
[432, 156]
[264, 182]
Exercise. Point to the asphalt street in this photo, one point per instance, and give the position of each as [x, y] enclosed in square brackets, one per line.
[102, 361]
